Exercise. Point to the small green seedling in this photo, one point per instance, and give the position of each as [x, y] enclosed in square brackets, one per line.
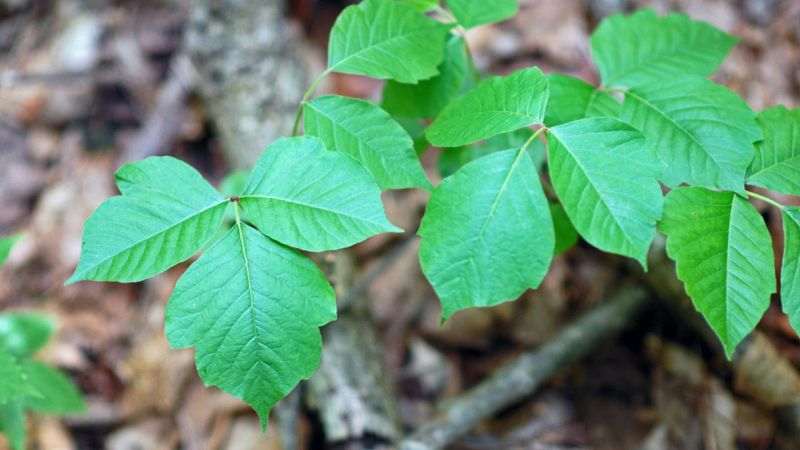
[27, 385]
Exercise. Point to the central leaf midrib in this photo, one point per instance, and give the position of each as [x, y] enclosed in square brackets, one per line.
[677, 125]
[250, 293]
[728, 322]
[307, 205]
[500, 192]
[469, 114]
[156, 233]
[650, 61]
[771, 167]
[591, 183]
[346, 130]
[379, 44]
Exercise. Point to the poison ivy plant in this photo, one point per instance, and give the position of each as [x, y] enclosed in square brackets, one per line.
[642, 48]
[605, 174]
[249, 294]
[423, 5]
[251, 307]
[305, 196]
[531, 163]
[790, 272]
[777, 162]
[723, 253]
[166, 214]
[566, 234]
[428, 98]
[703, 132]
[487, 235]
[27, 385]
[452, 159]
[572, 99]
[497, 105]
[368, 38]
[370, 135]
[470, 13]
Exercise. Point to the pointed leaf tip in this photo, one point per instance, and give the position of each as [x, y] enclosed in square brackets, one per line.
[251, 307]
[167, 213]
[605, 174]
[723, 255]
[487, 234]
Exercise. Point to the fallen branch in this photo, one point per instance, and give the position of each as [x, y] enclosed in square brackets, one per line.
[352, 388]
[525, 374]
[252, 72]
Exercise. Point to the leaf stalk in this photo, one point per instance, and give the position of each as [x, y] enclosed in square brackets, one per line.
[765, 199]
[306, 96]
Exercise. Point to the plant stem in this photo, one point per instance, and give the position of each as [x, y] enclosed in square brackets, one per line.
[765, 199]
[549, 189]
[531, 139]
[236, 213]
[306, 96]
[612, 90]
[476, 77]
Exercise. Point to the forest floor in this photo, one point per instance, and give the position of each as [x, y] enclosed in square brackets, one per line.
[80, 79]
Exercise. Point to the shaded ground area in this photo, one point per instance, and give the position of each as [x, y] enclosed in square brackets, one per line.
[86, 85]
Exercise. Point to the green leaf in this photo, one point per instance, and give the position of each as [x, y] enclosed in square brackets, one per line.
[723, 254]
[13, 380]
[777, 162]
[566, 235]
[24, 333]
[498, 105]
[234, 183]
[166, 214]
[6, 244]
[641, 48]
[606, 177]
[429, 97]
[790, 272]
[453, 159]
[416, 130]
[163, 175]
[58, 394]
[307, 197]
[370, 135]
[702, 131]
[386, 39]
[573, 99]
[12, 424]
[470, 13]
[487, 235]
[423, 5]
[251, 307]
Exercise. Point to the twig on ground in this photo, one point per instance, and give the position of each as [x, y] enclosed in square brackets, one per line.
[352, 388]
[525, 374]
